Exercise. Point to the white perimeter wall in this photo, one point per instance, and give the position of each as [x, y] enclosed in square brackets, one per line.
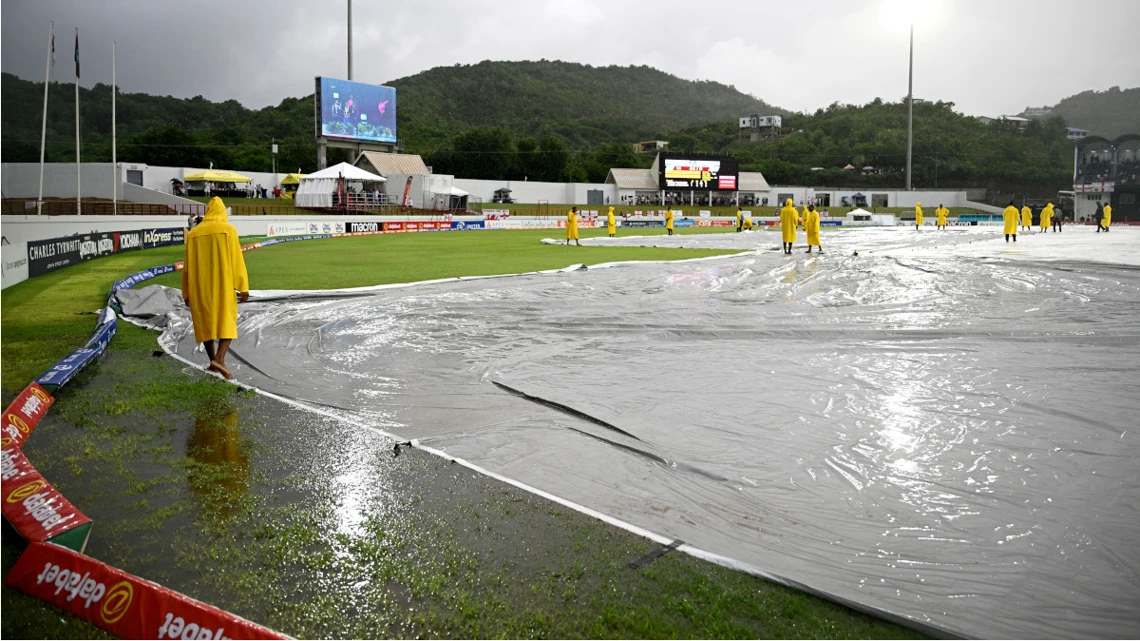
[18, 229]
[523, 191]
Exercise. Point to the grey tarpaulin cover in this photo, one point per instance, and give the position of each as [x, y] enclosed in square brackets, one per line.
[943, 428]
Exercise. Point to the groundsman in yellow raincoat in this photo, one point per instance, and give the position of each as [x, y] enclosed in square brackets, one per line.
[611, 224]
[941, 213]
[1107, 216]
[811, 226]
[788, 220]
[669, 221]
[1010, 218]
[1026, 217]
[739, 219]
[918, 215]
[572, 226]
[1046, 217]
[213, 271]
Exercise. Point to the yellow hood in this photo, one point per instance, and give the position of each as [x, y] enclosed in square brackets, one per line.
[788, 202]
[215, 211]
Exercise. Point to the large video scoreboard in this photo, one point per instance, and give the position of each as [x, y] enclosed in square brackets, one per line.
[692, 171]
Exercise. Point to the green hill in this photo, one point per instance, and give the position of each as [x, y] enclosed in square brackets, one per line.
[1104, 113]
[580, 105]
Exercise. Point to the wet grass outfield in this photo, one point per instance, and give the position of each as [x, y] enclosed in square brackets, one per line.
[320, 529]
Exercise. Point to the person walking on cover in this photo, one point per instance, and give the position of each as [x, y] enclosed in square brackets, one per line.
[1058, 220]
[572, 227]
[1099, 217]
[669, 221]
[1026, 217]
[611, 224]
[811, 226]
[213, 270]
[918, 221]
[1107, 216]
[1046, 217]
[941, 213]
[788, 221]
[1011, 218]
[739, 220]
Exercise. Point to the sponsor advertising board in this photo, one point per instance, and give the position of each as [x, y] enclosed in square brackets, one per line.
[684, 222]
[467, 224]
[362, 227]
[45, 256]
[632, 222]
[122, 604]
[34, 507]
[496, 214]
[67, 367]
[23, 414]
[15, 258]
[287, 229]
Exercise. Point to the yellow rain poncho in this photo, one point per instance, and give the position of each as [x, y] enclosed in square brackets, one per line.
[1107, 216]
[1047, 216]
[788, 220]
[213, 271]
[800, 215]
[611, 224]
[669, 219]
[1010, 217]
[941, 212]
[1026, 217]
[918, 214]
[811, 226]
[739, 219]
[571, 226]
[748, 222]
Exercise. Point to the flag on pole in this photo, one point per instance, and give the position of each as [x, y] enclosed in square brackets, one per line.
[77, 53]
[53, 46]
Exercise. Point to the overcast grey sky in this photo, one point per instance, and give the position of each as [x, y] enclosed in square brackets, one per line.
[987, 56]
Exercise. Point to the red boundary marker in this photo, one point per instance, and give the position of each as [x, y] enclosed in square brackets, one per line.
[121, 603]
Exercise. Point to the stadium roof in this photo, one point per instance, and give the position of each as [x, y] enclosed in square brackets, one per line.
[752, 181]
[385, 164]
[633, 178]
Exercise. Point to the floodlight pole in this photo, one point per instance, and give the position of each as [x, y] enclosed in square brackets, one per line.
[350, 39]
[909, 109]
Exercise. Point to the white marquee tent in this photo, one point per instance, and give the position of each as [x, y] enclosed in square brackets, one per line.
[317, 189]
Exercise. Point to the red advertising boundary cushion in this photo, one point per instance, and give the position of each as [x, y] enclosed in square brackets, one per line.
[37, 510]
[23, 414]
[121, 603]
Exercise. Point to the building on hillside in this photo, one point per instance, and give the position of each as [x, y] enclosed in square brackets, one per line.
[649, 146]
[1017, 121]
[756, 126]
[1036, 112]
[1076, 133]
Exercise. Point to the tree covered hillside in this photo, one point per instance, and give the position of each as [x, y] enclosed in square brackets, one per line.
[582, 106]
[950, 149]
[1104, 113]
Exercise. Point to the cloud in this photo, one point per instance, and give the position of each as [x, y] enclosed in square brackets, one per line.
[987, 57]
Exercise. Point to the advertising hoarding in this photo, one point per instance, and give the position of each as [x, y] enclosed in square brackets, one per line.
[355, 111]
[718, 173]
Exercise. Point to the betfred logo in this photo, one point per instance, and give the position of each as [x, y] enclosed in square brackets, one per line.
[26, 490]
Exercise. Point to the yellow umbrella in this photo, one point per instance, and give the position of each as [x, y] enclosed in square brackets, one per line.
[292, 179]
[218, 176]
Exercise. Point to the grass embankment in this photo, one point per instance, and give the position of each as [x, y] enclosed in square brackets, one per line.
[313, 527]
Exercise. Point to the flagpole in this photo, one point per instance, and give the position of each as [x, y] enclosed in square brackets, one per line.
[78, 177]
[114, 155]
[43, 130]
